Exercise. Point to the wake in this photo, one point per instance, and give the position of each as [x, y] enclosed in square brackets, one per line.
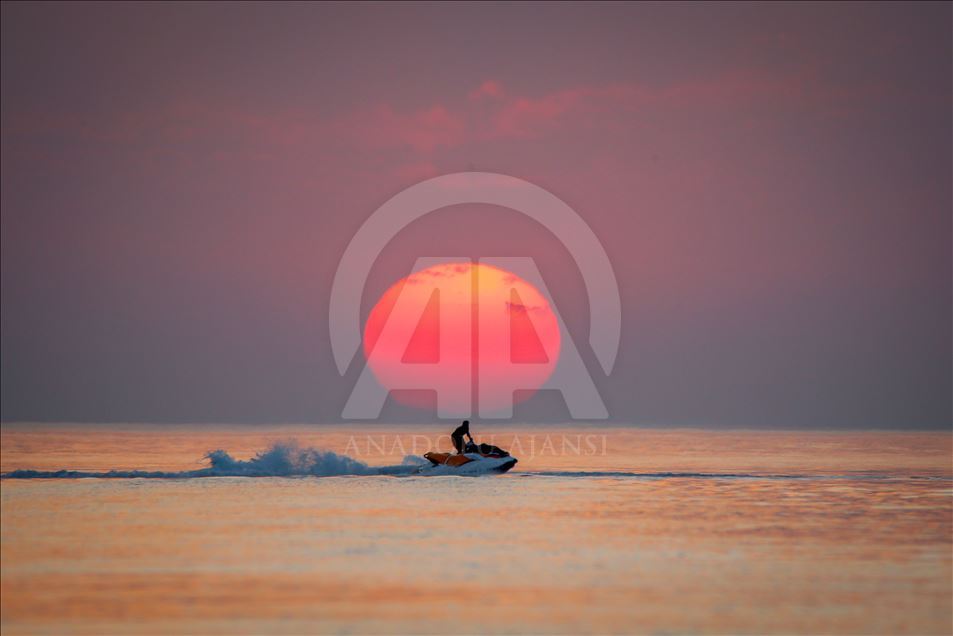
[727, 476]
[287, 459]
[284, 459]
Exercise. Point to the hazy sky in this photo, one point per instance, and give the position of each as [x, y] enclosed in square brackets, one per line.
[772, 184]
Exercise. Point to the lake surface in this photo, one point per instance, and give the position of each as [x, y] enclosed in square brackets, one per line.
[596, 530]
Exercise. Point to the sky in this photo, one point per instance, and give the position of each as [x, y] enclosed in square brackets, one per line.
[771, 183]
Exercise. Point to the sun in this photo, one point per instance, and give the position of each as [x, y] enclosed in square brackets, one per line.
[460, 325]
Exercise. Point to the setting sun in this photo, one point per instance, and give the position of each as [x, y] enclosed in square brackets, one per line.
[515, 347]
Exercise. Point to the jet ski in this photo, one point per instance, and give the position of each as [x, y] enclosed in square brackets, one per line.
[478, 460]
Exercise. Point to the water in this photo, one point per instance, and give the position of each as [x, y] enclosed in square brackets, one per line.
[596, 530]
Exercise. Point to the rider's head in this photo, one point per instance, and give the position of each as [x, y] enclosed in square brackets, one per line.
[466, 424]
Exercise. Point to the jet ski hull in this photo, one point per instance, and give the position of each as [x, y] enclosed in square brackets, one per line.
[467, 464]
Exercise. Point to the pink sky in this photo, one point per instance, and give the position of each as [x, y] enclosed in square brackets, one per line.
[771, 183]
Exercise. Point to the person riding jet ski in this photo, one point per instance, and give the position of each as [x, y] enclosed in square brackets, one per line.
[470, 446]
[470, 459]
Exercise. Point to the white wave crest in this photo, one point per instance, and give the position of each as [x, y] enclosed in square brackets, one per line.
[283, 459]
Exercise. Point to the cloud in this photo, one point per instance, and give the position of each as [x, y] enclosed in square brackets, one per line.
[424, 130]
[488, 89]
[488, 113]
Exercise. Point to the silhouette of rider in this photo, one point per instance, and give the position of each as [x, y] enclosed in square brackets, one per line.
[457, 437]
[472, 447]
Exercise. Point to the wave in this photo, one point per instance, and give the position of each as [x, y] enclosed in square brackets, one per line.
[284, 459]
